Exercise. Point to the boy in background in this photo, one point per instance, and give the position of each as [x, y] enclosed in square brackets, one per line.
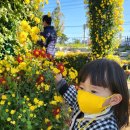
[49, 34]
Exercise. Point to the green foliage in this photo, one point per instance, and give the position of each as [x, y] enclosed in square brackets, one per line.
[75, 60]
[11, 13]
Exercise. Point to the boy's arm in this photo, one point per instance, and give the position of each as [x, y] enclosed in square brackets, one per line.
[40, 42]
[68, 92]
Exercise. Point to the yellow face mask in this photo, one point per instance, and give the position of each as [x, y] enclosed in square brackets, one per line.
[90, 103]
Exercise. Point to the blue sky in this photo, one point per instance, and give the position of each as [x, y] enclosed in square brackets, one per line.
[74, 17]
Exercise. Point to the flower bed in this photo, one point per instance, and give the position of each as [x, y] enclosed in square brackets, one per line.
[28, 97]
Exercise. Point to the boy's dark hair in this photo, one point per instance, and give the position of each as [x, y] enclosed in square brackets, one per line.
[47, 19]
[109, 74]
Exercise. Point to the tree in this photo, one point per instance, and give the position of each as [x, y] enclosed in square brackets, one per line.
[57, 16]
[62, 39]
[76, 41]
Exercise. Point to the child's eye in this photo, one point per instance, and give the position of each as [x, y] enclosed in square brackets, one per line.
[93, 91]
[81, 88]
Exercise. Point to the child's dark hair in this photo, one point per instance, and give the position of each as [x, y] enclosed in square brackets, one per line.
[109, 74]
[47, 19]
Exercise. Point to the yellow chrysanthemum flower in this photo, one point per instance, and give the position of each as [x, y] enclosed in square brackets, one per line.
[57, 116]
[22, 66]
[13, 122]
[8, 119]
[43, 39]
[32, 108]
[31, 115]
[32, 16]
[47, 87]
[27, 1]
[4, 97]
[47, 120]
[13, 95]
[9, 103]
[40, 103]
[22, 37]
[24, 26]
[46, 1]
[35, 38]
[36, 7]
[19, 117]
[2, 102]
[58, 99]
[12, 112]
[53, 102]
[64, 72]
[72, 75]
[49, 128]
[36, 100]
[56, 71]
[35, 30]
[49, 14]
[6, 110]
[37, 20]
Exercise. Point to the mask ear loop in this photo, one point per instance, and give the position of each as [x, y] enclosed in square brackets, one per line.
[105, 107]
[110, 96]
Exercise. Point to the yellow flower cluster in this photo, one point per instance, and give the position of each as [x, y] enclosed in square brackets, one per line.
[73, 73]
[26, 30]
[57, 99]
[27, 1]
[37, 103]
[3, 97]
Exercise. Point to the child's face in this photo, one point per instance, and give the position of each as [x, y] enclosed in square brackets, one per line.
[101, 91]
[97, 90]
[44, 23]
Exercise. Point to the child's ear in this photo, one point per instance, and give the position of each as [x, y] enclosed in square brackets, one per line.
[115, 99]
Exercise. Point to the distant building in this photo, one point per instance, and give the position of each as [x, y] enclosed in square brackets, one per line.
[126, 41]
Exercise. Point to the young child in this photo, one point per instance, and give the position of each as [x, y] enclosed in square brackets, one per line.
[49, 34]
[101, 102]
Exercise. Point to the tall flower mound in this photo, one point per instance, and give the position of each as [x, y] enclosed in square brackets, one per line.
[28, 96]
[105, 19]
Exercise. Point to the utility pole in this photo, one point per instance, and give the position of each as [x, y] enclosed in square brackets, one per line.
[84, 28]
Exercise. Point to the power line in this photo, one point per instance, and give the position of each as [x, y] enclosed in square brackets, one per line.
[78, 25]
[64, 3]
[74, 26]
[65, 7]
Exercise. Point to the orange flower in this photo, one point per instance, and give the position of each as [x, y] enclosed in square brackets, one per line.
[2, 80]
[19, 59]
[49, 56]
[40, 79]
[43, 53]
[56, 111]
[60, 66]
[36, 52]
